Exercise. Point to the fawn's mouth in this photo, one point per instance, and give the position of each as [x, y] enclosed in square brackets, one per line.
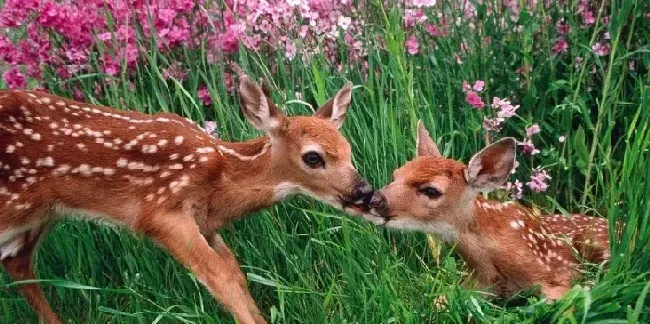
[373, 216]
[360, 206]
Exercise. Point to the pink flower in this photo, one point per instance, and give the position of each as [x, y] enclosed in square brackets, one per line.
[432, 30]
[14, 79]
[344, 22]
[578, 62]
[478, 85]
[504, 107]
[228, 81]
[507, 111]
[562, 27]
[176, 71]
[466, 86]
[204, 95]
[413, 16]
[474, 99]
[532, 130]
[529, 147]
[560, 46]
[210, 127]
[524, 69]
[589, 17]
[79, 95]
[601, 49]
[290, 48]
[6, 49]
[514, 189]
[493, 124]
[412, 45]
[422, 3]
[538, 180]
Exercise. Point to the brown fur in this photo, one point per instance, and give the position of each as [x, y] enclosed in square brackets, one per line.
[160, 175]
[507, 246]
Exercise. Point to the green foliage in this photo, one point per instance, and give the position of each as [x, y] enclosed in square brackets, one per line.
[308, 263]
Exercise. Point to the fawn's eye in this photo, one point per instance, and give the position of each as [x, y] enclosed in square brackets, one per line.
[313, 160]
[431, 192]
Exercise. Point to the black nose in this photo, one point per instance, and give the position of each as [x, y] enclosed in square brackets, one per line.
[379, 203]
[362, 190]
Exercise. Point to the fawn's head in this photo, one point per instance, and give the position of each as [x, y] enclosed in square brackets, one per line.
[433, 194]
[308, 152]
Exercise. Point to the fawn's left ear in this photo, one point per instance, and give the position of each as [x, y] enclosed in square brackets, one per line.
[336, 109]
[490, 167]
[425, 146]
[258, 107]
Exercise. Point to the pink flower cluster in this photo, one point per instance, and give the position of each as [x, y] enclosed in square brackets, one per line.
[502, 111]
[527, 144]
[74, 36]
[472, 93]
[538, 180]
[416, 15]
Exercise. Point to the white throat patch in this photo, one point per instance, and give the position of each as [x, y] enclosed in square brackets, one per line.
[443, 230]
[285, 189]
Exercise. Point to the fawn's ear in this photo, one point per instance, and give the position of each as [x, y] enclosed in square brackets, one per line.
[490, 167]
[258, 107]
[424, 145]
[335, 110]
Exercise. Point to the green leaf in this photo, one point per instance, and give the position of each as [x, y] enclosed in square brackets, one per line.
[580, 145]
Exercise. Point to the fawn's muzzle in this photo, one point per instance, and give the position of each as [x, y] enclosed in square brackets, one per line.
[378, 204]
[362, 191]
[360, 197]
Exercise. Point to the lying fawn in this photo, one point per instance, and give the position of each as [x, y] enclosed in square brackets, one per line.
[163, 176]
[508, 246]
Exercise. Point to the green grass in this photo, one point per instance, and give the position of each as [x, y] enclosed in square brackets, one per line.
[308, 263]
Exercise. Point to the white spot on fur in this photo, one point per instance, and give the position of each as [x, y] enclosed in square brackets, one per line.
[203, 150]
[122, 162]
[517, 224]
[234, 153]
[176, 166]
[178, 140]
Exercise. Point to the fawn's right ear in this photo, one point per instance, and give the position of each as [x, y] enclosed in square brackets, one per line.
[258, 107]
[424, 145]
[490, 167]
[336, 109]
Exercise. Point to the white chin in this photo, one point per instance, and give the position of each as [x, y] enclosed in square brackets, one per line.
[380, 221]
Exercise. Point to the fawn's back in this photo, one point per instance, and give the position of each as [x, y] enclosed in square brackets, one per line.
[61, 152]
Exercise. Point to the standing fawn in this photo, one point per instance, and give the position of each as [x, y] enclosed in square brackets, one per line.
[164, 177]
[508, 246]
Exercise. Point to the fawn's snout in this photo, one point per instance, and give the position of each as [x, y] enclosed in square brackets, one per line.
[378, 204]
[362, 192]
[360, 197]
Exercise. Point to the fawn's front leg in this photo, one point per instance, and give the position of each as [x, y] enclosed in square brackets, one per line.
[219, 246]
[216, 269]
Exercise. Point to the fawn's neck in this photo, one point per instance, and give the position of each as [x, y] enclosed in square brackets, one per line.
[476, 240]
[249, 179]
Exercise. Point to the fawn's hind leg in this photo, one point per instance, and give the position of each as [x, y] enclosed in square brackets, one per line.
[20, 266]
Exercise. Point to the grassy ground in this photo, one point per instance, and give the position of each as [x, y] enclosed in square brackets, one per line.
[312, 264]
